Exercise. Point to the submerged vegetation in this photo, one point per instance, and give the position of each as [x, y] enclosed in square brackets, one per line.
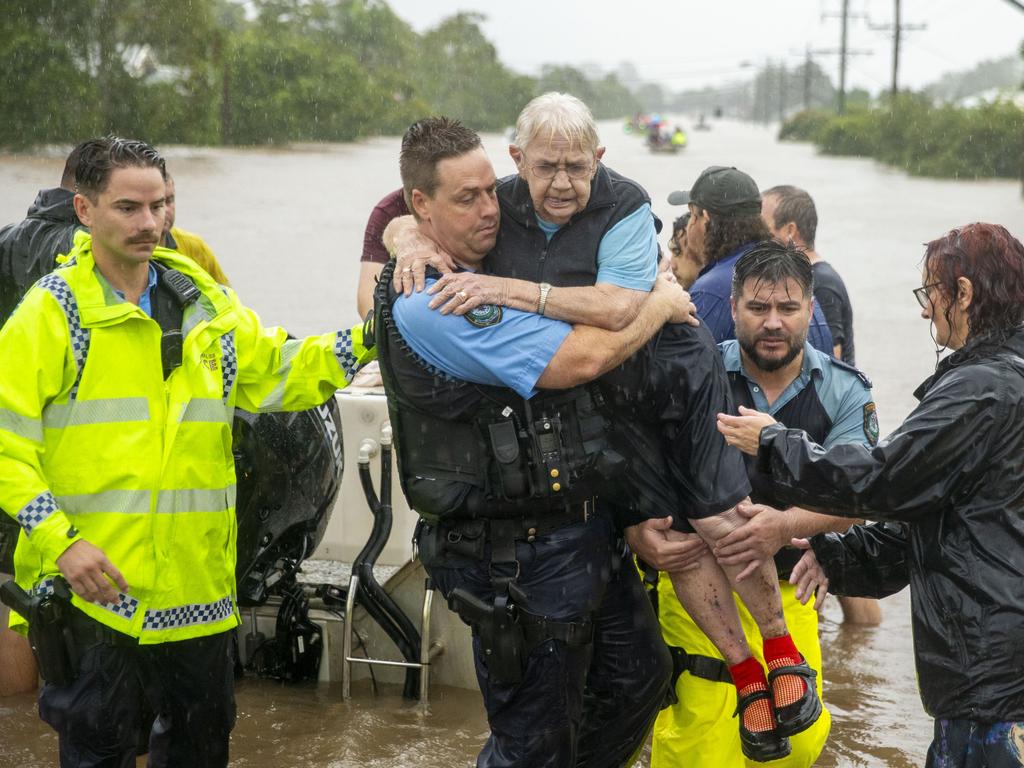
[911, 133]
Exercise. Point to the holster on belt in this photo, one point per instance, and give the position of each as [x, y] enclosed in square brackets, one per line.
[500, 633]
[49, 629]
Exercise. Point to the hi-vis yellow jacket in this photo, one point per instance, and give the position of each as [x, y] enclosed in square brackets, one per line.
[95, 444]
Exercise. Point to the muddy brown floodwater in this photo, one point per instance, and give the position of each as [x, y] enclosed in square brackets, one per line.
[287, 227]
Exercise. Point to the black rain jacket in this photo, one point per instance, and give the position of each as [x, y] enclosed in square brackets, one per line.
[953, 475]
[28, 249]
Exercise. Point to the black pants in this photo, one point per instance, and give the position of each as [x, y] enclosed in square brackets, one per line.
[587, 706]
[188, 684]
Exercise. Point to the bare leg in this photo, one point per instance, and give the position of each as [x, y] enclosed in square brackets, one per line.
[861, 610]
[759, 591]
[706, 595]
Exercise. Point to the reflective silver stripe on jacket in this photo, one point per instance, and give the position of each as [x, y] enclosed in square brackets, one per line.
[22, 426]
[343, 352]
[188, 615]
[136, 502]
[61, 291]
[37, 510]
[196, 499]
[105, 410]
[272, 403]
[207, 409]
[228, 363]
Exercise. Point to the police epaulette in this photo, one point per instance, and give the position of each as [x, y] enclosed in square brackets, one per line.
[852, 369]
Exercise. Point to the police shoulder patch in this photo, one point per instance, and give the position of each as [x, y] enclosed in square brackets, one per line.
[484, 315]
[870, 423]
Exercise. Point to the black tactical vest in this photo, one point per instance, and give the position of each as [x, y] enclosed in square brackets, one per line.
[805, 412]
[467, 450]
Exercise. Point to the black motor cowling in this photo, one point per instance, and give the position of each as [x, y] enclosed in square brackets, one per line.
[289, 468]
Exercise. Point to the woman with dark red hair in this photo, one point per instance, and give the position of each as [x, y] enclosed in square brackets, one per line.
[948, 485]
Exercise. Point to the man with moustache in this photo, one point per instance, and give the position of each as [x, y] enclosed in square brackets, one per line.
[772, 368]
[116, 454]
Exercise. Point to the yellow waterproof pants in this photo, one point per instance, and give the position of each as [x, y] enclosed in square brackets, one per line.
[700, 728]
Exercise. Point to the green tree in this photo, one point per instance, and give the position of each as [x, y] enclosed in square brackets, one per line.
[460, 75]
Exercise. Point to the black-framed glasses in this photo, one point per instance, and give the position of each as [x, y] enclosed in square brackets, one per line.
[578, 171]
[921, 294]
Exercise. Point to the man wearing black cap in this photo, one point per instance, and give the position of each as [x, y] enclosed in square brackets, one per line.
[725, 222]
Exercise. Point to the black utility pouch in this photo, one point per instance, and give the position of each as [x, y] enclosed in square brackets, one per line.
[49, 629]
[513, 478]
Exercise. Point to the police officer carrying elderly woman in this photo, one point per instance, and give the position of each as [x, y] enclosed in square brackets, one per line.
[524, 502]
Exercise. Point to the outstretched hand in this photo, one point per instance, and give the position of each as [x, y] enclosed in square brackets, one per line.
[90, 573]
[744, 431]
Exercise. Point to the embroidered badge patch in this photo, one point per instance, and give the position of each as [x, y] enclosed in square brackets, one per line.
[484, 315]
[870, 423]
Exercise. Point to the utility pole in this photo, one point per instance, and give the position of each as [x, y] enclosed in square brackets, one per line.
[842, 57]
[807, 79]
[844, 52]
[897, 28]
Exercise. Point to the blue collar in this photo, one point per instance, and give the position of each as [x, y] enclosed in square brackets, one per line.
[145, 301]
[813, 366]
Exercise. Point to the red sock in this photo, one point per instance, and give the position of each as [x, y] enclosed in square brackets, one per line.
[748, 676]
[782, 652]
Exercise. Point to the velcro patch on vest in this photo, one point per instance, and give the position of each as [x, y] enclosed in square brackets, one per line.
[871, 423]
[485, 315]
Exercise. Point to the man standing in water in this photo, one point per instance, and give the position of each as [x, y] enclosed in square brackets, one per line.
[116, 454]
[791, 216]
[772, 367]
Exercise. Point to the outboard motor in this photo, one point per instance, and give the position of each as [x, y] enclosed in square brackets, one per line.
[289, 468]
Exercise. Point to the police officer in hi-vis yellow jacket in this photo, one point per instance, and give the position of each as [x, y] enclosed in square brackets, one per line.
[119, 375]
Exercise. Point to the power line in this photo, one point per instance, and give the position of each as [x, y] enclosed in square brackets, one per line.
[897, 28]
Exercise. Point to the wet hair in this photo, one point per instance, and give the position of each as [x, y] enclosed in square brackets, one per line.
[559, 113]
[679, 225]
[98, 158]
[67, 178]
[796, 205]
[772, 262]
[993, 260]
[425, 144]
[724, 234]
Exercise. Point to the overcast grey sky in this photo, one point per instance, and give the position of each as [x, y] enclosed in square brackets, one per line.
[683, 43]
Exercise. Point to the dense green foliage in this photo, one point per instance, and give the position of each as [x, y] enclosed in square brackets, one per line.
[926, 140]
[263, 71]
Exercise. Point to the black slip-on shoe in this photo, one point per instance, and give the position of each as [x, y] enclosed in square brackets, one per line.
[805, 711]
[760, 746]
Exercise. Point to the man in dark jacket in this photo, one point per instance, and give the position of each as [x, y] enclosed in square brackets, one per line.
[27, 252]
[952, 474]
[28, 248]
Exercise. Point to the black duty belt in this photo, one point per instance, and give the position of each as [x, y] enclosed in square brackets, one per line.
[88, 631]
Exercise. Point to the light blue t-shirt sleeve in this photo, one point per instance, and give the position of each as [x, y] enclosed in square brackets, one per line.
[848, 402]
[511, 352]
[628, 253]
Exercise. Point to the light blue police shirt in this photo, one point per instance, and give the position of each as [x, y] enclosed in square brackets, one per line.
[489, 345]
[627, 255]
[145, 302]
[842, 393]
